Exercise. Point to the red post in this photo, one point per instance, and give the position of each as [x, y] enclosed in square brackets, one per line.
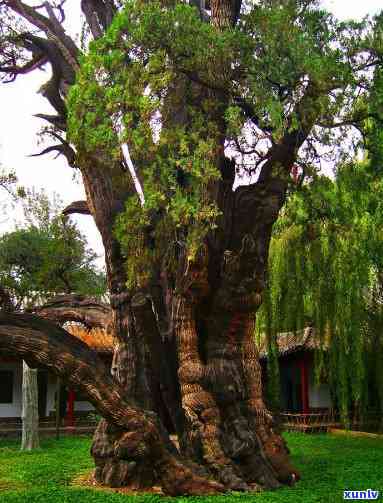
[304, 385]
[70, 408]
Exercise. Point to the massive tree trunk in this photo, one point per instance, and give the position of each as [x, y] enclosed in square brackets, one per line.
[228, 427]
[204, 366]
[140, 364]
[30, 410]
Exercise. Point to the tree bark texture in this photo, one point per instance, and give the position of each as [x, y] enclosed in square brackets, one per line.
[30, 411]
[140, 364]
[227, 426]
[78, 308]
[217, 410]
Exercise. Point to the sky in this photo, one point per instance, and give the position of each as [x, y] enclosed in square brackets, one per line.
[19, 101]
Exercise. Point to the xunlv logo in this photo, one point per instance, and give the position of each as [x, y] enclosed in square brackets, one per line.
[369, 494]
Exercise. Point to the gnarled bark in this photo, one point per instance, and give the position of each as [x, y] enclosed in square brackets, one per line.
[228, 427]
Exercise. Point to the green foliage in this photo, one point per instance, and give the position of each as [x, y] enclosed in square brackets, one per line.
[7, 180]
[174, 89]
[325, 265]
[119, 98]
[46, 475]
[9, 190]
[375, 125]
[46, 256]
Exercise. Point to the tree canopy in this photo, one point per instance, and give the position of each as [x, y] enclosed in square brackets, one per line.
[283, 77]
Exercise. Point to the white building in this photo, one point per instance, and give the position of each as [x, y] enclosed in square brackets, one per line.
[71, 403]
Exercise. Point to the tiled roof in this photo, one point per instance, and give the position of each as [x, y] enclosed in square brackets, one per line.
[288, 342]
[97, 338]
[291, 342]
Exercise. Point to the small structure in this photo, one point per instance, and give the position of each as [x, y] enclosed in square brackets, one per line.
[72, 404]
[305, 404]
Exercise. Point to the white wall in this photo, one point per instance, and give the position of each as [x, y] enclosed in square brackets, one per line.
[319, 395]
[80, 406]
[13, 409]
[51, 390]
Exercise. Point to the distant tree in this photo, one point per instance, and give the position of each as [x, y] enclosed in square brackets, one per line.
[8, 190]
[47, 255]
[7, 180]
[326, 268]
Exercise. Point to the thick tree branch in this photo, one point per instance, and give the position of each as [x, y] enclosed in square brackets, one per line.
[37, 61]
[56, 120]
[57, 48]
[78, 207]
[98, 14]
[61, 149]
[52, 28]
[63, 74]
[78, 308]
[282, 154]
[92, 18]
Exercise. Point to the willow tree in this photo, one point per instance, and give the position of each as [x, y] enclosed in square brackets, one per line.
[326, 270]
[169, 103]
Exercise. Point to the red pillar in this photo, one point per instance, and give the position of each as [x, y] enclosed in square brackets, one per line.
[304, 385]
[70, 408]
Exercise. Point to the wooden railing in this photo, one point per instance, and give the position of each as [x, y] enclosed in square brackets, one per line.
[323, 421]
[310, 422]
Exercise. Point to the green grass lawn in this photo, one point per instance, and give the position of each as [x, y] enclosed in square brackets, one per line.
[328, 464]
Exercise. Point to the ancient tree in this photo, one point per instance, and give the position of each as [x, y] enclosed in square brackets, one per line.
[170, 102]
